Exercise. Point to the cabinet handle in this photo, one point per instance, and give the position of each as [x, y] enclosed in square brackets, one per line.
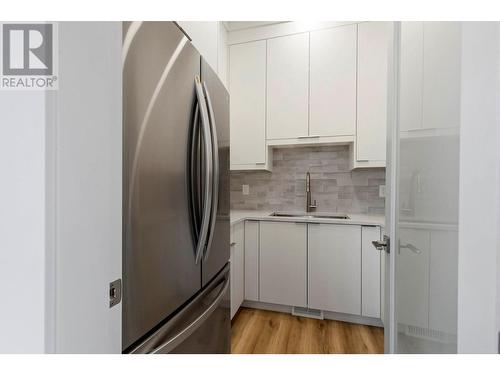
[308, 136]
[410, 247]
[232, 244]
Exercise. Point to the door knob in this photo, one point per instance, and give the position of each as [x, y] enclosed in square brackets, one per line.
[383, 245]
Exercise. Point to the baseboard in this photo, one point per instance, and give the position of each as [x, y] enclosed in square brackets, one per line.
[330, 315]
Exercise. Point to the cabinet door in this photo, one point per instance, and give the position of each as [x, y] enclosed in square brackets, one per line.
[204, 35]
[333, 81]
[237, 268]
[288, 86]
[430, 75]
[411, 75]
[443, 276]
[373, 49]
[232, 290]
[412, 274]
[251, 260]
[283, 263]
[247, 85]
[441, 87]
[370, 273]
[334, 257]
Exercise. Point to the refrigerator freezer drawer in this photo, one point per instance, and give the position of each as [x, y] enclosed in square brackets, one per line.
[203, 326]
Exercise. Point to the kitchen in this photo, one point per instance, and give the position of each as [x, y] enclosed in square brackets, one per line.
[255, 187]
[308, 129]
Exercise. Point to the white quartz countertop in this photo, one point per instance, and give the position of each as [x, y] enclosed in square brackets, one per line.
[354, 219]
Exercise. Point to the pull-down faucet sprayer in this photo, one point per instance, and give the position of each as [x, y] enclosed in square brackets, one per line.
[309, 207]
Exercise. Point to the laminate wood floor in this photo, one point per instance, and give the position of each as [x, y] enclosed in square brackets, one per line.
[267, 332]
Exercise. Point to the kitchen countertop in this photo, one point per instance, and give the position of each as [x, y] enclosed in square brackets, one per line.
[354, 219]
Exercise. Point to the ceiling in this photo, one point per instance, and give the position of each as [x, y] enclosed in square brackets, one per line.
[240, 25]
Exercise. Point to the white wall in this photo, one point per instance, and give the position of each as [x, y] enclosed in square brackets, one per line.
[478, 320]
[88, 187]
[22, 221]
[60, 199]
[498, 184]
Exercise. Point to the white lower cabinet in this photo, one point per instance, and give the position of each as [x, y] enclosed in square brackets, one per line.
[252, 260]
[412, 275]
[282, 265]
[335, 268]
[330, 267]
[370, 273]
[237, 268]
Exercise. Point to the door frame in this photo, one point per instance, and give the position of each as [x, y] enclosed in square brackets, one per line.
[392, 166]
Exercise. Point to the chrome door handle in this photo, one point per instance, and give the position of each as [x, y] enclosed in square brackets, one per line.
[208, 193]
[383, 245]
[410, 247]
[215, 172]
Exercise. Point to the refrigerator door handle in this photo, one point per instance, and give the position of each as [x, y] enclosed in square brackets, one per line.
[208, 185]
[153, 347]
[194, 190]
[186, 332]
[215, 172]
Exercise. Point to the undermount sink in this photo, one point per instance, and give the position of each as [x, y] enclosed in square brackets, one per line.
[308, 215]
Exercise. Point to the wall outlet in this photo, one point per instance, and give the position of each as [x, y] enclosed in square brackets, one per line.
[245, 189]
[381, 191]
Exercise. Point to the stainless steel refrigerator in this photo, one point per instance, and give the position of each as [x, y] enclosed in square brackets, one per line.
[175, 195]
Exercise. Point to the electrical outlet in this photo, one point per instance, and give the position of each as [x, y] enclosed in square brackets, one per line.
[245, 189]
[381, 191]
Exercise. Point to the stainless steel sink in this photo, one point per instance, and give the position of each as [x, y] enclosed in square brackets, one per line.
[308, 215]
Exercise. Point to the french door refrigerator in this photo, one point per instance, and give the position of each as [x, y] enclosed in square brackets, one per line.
[175, 195]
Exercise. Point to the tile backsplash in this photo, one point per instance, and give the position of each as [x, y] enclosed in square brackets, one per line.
[333, 185]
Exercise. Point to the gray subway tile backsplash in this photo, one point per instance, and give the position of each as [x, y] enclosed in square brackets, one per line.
[333, 185]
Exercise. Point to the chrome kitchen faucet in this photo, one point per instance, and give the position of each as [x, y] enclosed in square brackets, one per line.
[309, 207]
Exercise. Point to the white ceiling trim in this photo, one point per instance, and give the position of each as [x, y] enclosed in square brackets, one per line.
[279, 29]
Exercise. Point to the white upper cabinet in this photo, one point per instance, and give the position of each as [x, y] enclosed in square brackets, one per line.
[204, 36]
[373, 49]
[288, 86]
[333, 81]
[410, 77]
[247, 86]
[319, 87]
[441, 83]
[430, 75]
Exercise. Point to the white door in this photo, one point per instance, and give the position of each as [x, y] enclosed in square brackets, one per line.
[288, 86]
[422, 186]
